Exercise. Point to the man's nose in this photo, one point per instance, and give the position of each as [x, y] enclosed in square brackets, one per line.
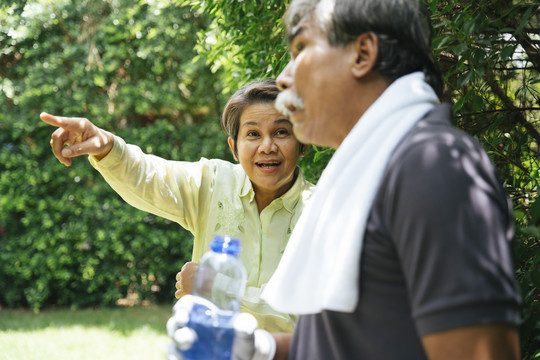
[284, 80]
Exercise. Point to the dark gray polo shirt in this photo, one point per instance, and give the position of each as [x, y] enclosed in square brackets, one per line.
[436, 253]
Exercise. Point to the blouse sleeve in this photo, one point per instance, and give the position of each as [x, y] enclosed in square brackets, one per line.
[170, 189]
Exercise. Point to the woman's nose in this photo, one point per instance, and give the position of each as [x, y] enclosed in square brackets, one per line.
[268, 145]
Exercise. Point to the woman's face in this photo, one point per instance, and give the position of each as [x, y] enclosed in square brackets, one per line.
[267, 149]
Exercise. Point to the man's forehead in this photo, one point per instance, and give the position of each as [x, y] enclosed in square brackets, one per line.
[316, 17]
[306, 23]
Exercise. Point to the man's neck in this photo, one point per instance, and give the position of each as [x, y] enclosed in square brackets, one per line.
[368, 90]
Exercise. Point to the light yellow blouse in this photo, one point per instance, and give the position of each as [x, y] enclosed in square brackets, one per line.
[211, 197]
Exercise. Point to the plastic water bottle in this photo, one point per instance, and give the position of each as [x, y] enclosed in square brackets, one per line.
[218, 290]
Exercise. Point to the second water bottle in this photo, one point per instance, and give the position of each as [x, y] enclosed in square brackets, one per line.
[218, 290]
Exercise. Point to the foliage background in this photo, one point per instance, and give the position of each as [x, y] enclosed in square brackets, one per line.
[65, 237]
[157, 73]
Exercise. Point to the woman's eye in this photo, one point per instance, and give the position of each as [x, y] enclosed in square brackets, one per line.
[252, 133]
[282, 132]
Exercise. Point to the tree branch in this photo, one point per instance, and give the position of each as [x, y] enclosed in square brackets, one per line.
[499, 110]
[509, 104]
[531, 50]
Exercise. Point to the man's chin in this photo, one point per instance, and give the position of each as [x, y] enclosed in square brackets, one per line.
[299, 132]
[307, 135]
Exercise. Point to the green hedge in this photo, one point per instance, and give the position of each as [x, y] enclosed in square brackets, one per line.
[65, 237]
[68, 239]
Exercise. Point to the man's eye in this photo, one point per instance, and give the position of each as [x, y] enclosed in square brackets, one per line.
[299, 46]
[252, 133]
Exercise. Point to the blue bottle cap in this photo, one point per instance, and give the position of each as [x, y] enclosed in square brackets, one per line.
[226, 244]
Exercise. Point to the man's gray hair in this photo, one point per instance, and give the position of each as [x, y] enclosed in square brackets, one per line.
[403, 28]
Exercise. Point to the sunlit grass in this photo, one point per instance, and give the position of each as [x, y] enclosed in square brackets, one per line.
[118, 333]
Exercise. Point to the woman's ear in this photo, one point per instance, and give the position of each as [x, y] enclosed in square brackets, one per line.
[303, 149]
[366, 47]
[231, 143]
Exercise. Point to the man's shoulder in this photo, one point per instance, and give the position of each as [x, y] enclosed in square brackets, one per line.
[435, 125]
[435, 134]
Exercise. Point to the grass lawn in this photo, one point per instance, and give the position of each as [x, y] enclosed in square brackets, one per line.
[96, 334]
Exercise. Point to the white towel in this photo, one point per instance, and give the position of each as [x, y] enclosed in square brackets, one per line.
[319, 268]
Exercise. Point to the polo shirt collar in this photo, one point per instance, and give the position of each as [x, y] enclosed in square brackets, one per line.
[289, 199]
[246, 189]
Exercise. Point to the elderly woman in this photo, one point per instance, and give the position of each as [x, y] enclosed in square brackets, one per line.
[258, 200]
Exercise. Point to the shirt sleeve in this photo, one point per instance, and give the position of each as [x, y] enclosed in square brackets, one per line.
[452, 226]
[170, 189]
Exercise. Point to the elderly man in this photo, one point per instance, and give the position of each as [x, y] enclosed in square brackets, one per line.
[404, 251]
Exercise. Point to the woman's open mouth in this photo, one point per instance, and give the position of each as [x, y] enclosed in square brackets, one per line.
[268, 165]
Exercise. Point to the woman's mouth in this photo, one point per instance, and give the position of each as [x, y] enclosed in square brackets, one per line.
[268, 165]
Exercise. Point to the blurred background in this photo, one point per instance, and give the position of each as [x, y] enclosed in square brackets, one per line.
[157, 73]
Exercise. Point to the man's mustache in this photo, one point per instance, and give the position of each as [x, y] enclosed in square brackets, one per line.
[287, 99]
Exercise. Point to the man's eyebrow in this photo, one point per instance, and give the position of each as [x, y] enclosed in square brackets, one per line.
[295, 33]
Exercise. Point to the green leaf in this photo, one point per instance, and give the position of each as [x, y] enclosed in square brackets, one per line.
[531, 231]
[438, 43]
[535, 211]
[507, 52]
[459, 49]
[524, 20]
[535, 277]
[463, 80]
[519, 215]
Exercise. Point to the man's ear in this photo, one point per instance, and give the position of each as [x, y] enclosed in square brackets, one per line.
[366, 47]
[230, 141]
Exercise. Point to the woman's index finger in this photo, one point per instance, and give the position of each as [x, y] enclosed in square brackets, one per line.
[69, 123]
[51, 119]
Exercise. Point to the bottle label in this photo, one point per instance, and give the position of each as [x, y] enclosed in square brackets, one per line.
[215, 332]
